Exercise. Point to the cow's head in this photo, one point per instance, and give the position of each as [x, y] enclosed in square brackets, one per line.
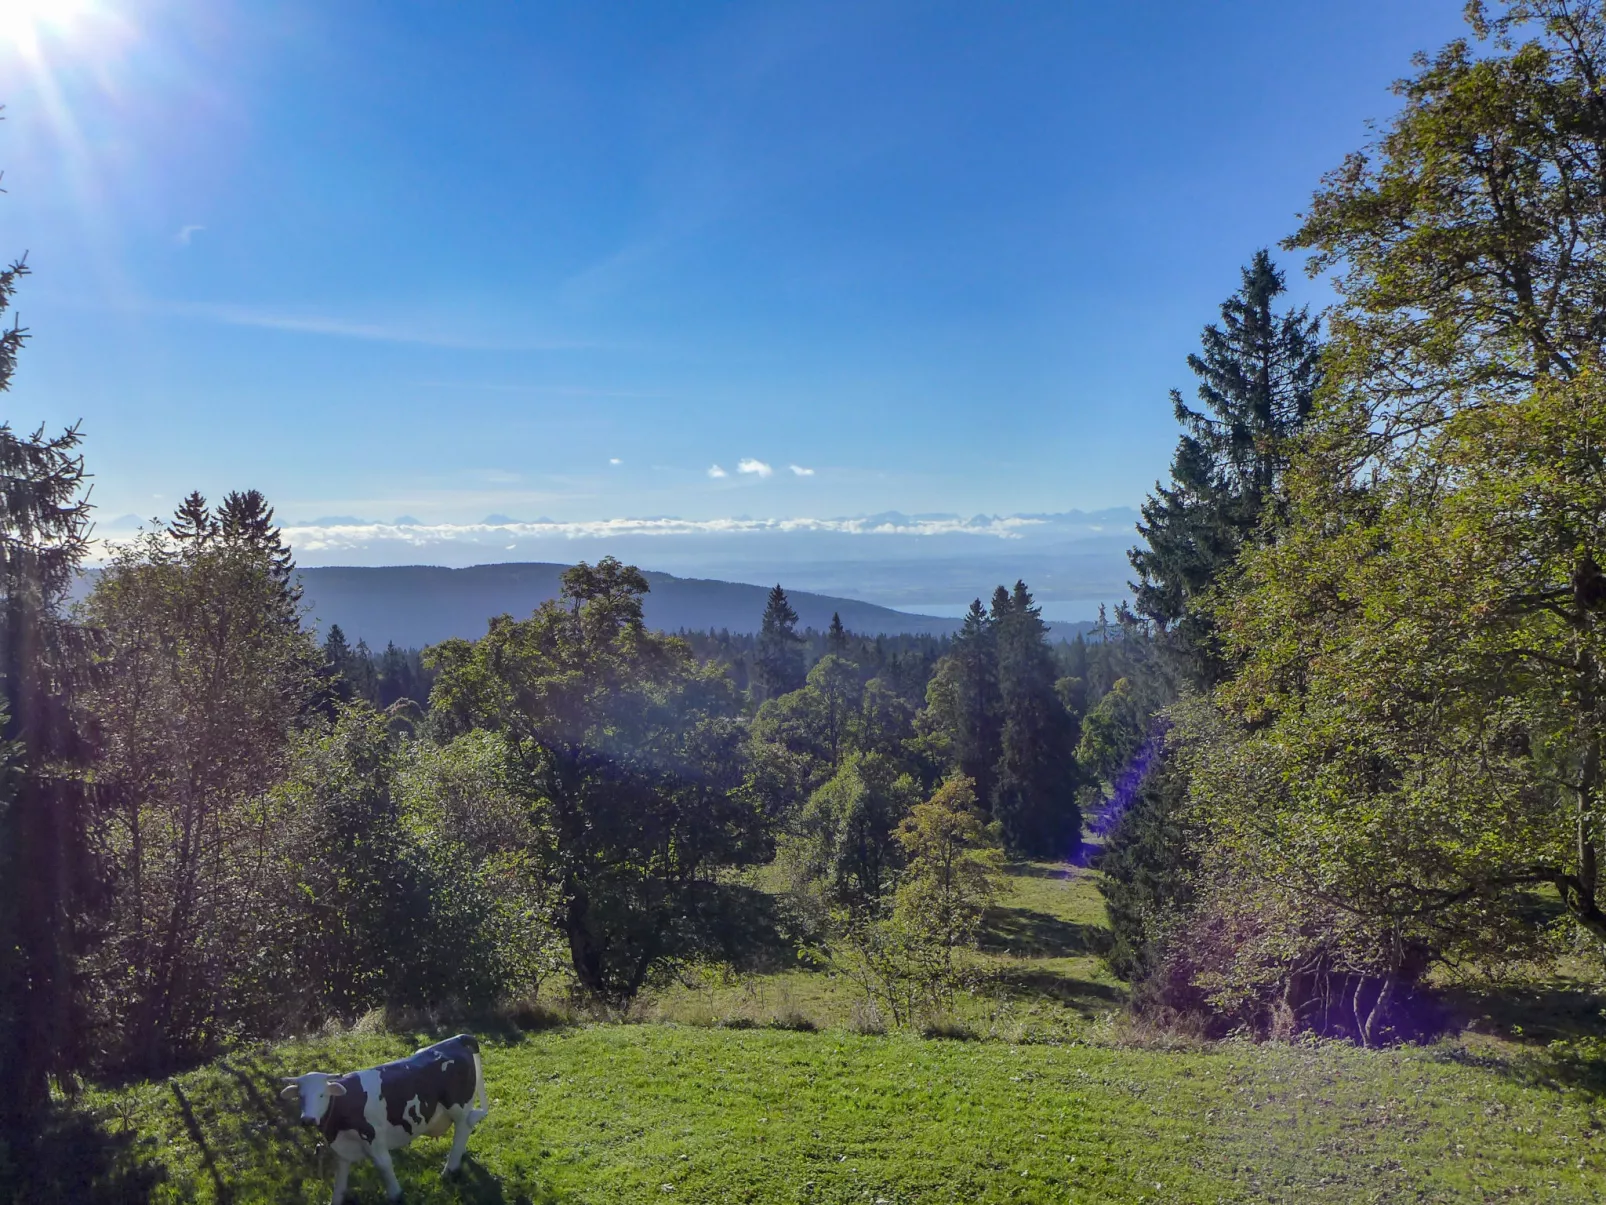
[315, 1090]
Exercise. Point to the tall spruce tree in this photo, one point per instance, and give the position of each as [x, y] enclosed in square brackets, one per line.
[836, 636]
[780, 649]
[1258, 373]
[975, 660]
[337, 661]
[1034, 791]
[244, 519]
[45, 863]
[193, 521]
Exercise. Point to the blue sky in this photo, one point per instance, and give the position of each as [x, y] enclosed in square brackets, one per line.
[446, 260]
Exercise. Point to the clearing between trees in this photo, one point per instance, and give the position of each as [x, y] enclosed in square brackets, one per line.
[1050, 1100]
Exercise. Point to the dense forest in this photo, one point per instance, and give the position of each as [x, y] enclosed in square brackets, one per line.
[1347, 734]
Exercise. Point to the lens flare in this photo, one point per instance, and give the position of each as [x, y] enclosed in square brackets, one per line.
[24, 24]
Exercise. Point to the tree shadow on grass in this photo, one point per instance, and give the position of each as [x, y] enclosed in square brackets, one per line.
[1532, 1014]
[1030, 933]
[746, 928]
[1081, 994]
[75, 1156]
[1557, 1027]
[1040, 870]
[249, 1148]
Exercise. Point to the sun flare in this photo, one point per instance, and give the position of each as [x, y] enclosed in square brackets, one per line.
[24, 24]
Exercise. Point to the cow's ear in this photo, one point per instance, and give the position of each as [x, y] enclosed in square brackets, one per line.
[336, 1088]
[291, 1090]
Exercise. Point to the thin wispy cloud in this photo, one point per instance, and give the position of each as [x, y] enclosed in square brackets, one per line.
[716, 472]
[185, 233]
[756, 468]
[800, 471]
[229, 314]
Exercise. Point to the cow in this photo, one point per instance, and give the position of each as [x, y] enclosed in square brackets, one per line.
[374, 1112]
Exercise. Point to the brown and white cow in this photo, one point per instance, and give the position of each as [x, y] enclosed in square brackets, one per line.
[373, 1112]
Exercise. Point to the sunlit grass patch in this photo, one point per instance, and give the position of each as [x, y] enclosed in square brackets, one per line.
[615, 1113]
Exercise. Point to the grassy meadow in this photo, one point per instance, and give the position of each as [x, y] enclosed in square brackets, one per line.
[766, 1090]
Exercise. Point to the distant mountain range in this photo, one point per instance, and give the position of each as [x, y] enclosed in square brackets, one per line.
[418, 605]
[887, 572]
[913, 562]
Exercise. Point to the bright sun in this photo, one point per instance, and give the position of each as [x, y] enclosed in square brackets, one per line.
[25, 23]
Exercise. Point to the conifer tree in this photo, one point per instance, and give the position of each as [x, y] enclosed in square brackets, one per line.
[1035, 784]
[337, 660]
[975, 659]
[245, 520]
[395, 676]
[780, 648]
[45, 863]
[836, 636]
[364, 678]
[193, 520]
[1258, 372]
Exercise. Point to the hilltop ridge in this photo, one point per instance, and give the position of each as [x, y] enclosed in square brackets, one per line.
[418, 605]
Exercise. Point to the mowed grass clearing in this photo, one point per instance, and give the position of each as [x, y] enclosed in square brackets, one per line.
[1049, 1107]
[636, 1113]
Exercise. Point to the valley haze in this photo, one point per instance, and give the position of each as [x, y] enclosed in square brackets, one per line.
[419, 605]
[931, 564]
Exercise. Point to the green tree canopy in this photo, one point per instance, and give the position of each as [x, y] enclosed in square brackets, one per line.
[629, 751]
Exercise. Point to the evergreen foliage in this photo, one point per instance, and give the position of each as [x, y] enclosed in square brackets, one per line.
[779, 667]
[1036, 778]
[47, 876]
[1147, 868]
[1258, 373]
[964, 700]
[995, 715]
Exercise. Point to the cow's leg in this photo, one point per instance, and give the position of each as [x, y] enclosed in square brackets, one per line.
[342, 1174]
[462, 1127]
[381, 1156]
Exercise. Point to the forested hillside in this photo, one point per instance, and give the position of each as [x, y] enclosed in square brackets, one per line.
[417, 605]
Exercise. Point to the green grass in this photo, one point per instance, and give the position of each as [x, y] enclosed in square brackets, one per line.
[1039, 977]
[669, 1111]
[635, 1113]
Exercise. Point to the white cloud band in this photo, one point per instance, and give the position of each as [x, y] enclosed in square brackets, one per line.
[331, 537]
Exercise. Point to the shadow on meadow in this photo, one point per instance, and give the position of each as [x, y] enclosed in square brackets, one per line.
[1038, 870]
[230, 1140]
[1086, 996]
[1027, 932]
[1557, 1028]
[76, 1157]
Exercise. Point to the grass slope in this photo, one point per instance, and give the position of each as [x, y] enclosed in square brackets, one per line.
[614, 1113]
[671, 1111]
